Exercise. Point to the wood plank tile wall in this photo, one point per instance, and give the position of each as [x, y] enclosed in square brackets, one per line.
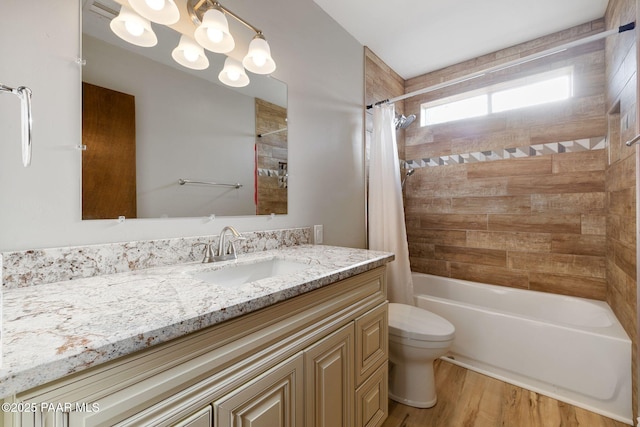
[271, 156]
[533, 222]
[381, 82]
[621, 96]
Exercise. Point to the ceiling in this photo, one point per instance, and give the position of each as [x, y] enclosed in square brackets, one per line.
[415, 37]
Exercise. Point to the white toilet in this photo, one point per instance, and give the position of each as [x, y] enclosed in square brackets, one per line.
[417, 338]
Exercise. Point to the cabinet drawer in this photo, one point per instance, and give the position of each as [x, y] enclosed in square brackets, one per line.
[372, 399]
[372, 342]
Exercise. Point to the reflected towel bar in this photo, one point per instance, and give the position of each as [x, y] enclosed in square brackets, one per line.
[260, 135]
[633, 141]
[189, 181]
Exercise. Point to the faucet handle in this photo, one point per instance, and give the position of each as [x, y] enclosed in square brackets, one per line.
[208, 251]
[231, 250]
[232, 247]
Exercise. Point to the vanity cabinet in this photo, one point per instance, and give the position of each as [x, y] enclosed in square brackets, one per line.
[318, 359]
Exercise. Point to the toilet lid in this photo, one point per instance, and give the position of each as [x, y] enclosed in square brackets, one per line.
[416, 323]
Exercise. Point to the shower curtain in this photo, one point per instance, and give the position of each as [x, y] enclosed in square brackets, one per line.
[387, 230]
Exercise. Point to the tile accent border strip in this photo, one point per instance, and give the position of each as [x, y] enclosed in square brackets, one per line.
[282, 174]
[39, 266]
[587, 144]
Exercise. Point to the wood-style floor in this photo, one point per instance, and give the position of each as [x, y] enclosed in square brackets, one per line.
[467, 398]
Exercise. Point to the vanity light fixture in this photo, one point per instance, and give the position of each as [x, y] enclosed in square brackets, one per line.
[211, 32]
[133, 28]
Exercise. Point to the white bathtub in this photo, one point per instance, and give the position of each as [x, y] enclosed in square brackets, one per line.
[571, 349]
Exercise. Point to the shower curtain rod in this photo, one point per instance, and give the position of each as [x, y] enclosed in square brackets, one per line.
[508, 64]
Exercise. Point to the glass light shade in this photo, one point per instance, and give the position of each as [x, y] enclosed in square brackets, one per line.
[161, 11]
[133, 28]
[258, 59]
[213, 33]
[233, 73]
[190, 54]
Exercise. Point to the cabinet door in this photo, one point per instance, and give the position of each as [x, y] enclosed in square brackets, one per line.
[372, 342]
[200, 419]
[274, 399]
[329, 380]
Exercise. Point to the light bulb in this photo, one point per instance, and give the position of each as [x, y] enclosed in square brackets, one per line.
[233, 75]
[134, 27]
[259, 60]
[215, 35]
[191, 55]
[155, 4]
[163, 12]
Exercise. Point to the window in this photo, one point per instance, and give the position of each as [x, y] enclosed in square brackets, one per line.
[533, 90]
[474, 106]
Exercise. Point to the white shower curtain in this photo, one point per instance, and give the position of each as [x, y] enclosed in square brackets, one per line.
[387, 230]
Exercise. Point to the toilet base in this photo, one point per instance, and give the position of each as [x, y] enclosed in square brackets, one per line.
[412, 381]
[413, 403]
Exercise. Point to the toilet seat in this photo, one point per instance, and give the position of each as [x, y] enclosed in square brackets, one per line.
[415, 323]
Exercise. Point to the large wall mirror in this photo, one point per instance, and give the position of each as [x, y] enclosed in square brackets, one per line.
[158, 135]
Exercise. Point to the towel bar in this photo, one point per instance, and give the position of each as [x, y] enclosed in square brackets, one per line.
[189, 181]
[24, 93]
[633, 141]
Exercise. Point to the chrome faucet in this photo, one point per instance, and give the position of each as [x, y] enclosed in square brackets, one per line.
[225, 254]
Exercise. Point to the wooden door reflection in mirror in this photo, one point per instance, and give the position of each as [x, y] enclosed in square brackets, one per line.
[109, 160]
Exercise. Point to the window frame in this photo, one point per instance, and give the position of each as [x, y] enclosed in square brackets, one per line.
[488, 91]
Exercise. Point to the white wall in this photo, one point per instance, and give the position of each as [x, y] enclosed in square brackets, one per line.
[322, 64]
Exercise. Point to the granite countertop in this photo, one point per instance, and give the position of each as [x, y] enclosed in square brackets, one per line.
[52, 330]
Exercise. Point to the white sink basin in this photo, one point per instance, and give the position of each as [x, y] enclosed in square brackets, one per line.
[235, 275]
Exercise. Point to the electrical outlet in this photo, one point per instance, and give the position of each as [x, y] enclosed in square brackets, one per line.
[317, 234]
